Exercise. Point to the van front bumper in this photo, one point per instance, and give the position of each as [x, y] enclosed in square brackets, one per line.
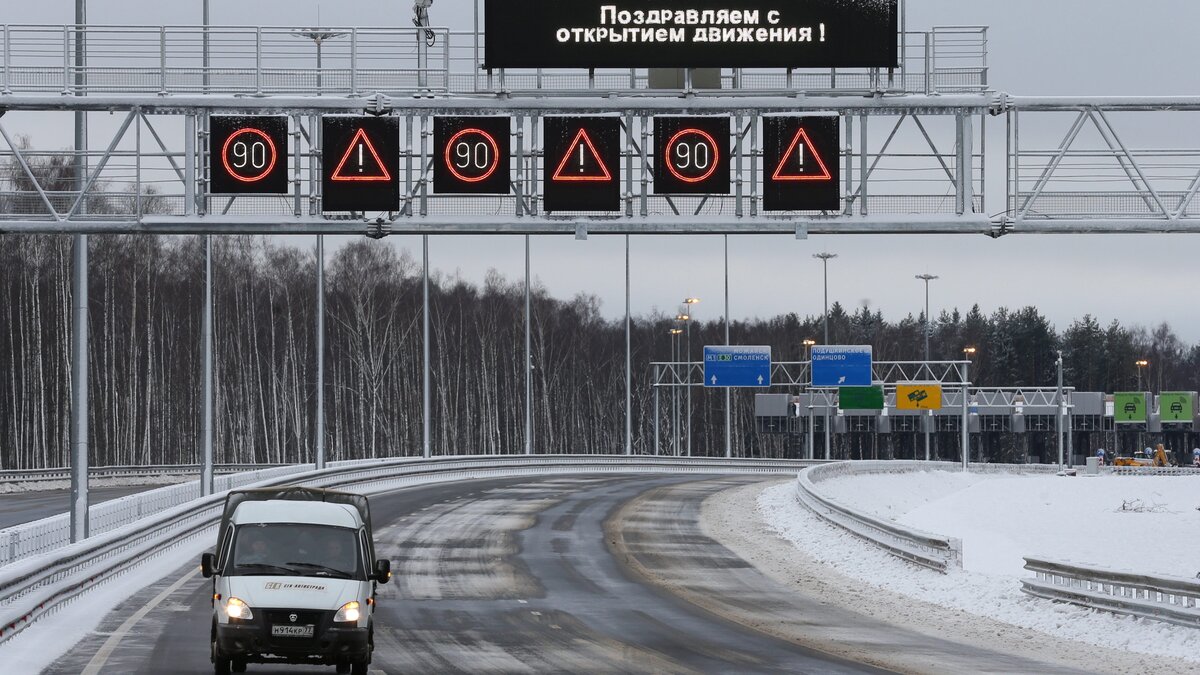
[252, 641]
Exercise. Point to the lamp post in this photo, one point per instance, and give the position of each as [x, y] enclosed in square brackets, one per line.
[1058, 404]
[687, 307]
[675, 332]
[808, 345]
[927, 278]
[968, 352]
[1140, 363]
[825, 258]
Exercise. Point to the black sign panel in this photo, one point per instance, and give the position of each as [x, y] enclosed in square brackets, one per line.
[360, 158]
[801, 164]
[471, 155]
[581, 164]
[691, 33]
[249, 155]
[691, 155]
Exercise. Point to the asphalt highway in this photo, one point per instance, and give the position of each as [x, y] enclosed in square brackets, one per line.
[556, 574]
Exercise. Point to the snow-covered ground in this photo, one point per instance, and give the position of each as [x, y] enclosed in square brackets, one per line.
[1000, 518]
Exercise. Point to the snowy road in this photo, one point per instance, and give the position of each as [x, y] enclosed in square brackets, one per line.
[558, 574]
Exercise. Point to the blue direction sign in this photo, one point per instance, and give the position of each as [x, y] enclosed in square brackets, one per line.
[841, 365]
[737, 366]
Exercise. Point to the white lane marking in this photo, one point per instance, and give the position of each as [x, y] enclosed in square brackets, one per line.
[110, 645]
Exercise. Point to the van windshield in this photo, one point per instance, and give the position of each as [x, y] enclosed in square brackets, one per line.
[293, 549]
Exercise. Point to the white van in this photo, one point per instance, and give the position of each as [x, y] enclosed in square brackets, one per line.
[294, 577]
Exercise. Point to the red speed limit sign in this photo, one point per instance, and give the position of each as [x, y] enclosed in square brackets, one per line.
[249, 154]
[691, 155]
[472, 155]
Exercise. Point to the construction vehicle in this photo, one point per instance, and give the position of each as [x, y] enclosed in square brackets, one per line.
[1157, 457]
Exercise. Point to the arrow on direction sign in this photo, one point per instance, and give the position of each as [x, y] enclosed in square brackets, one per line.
[842, 380]
[714, 379]
[760, 380]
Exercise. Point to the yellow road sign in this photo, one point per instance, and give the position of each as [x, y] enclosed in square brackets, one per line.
[918, 396]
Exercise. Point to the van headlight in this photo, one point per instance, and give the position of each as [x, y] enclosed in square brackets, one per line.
[236, 609]
[348, 613]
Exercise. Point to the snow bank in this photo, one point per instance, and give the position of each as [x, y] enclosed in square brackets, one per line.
[1138, 523]
[997, 516]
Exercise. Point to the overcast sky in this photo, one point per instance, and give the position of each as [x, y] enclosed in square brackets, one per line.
[1036, 47]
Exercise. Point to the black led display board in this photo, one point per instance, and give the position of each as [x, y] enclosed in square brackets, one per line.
[691, 34]
[471, 155]
[360, 158]
[581, 164]
[249, 154]
[691, 155]
[801, 158]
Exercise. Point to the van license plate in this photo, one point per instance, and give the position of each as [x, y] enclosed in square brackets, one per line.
[292, 631]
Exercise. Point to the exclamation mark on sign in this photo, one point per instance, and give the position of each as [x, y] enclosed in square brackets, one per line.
[360, 158]
[822, 32]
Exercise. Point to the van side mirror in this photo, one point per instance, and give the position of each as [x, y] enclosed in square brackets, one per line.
[383, 571]
[207, 562]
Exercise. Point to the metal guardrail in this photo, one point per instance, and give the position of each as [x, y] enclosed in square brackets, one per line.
[40, 585]
[916, 546]
[39, 536]
[1170, 599]
[129, 471]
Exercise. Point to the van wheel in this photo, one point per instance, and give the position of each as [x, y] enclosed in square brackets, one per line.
[359, 667]
[238, 666]
[343, 669]
[221, 665]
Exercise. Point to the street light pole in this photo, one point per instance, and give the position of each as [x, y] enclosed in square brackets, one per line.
[825, 258]
[675, 391]
[927, 278]
[1140, 363]
[687, 369]
[1058, 404]
[812, 454]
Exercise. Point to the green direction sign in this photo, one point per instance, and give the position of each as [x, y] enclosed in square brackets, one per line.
[860, 398]
[1129, 407]
[1175, 406]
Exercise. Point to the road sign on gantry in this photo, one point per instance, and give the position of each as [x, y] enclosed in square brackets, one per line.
[471, 155]
[691, 155]
[360, 160]
[249, 154]
[841, 366]
[1130, 407]
[918, 396]
[737, 366]
[581, 165]
[801, 163]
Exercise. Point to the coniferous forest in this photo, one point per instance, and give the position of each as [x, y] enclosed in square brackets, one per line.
[145, 364]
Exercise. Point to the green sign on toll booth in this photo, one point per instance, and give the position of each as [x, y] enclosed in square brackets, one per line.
[1129, 407]
[860, 398]
[1175, 406]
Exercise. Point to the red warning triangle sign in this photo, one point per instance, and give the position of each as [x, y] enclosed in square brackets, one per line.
[582, 162]
[801, 161]
[360, 162]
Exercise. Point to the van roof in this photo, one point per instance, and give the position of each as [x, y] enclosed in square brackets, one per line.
[290, 511]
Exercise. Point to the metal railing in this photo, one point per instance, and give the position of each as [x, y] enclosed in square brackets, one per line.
[1170, 599]
[38, 586]
[251, 60]
[47, 534]
[130, 471]
[350, 61]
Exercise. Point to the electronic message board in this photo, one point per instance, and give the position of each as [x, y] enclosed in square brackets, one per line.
[471, 155]
[360, 158]
[248, 154]
[691, 34]
[581, 164]
[801, 164]
[691, 155]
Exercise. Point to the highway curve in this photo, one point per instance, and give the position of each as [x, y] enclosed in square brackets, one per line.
[532, 575]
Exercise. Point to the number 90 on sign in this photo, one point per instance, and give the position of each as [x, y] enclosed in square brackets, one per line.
[472, 155]
[250, 154]
[692, 155]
